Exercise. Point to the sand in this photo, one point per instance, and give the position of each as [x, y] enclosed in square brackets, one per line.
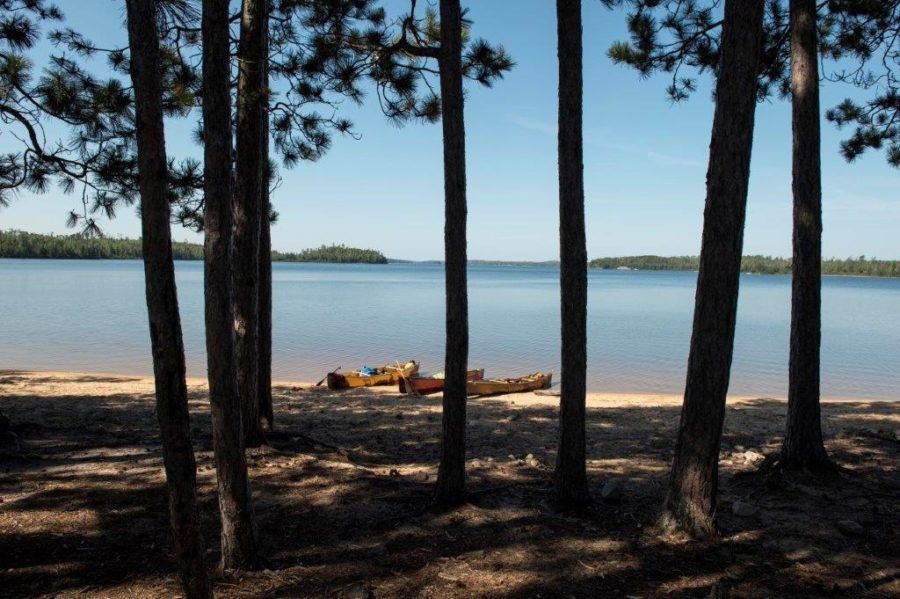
[341, 495]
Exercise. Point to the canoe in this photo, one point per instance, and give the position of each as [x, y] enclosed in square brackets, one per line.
[389, 374]
[424, 385]
[531, 382]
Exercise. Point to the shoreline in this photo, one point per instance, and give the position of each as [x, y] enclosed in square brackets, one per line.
[341, 491]
[497, 263]
[594, 398]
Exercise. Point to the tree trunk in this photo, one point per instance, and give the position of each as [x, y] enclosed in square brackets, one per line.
[266, 411]
[803, 447]
[162, 301]
[238, 527]
[570, 480]
[264, 386]
[252, 56]
[451, 481]
[691, 500]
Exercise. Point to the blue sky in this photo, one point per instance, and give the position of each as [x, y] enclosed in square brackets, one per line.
[645, 162]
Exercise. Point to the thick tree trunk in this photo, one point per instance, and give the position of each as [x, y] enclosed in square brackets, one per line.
[266, 411]
[235, 507]
[451, 480]
[162, 301]
[252, 56]
[691, 501]
[570, 480]
[803, 447]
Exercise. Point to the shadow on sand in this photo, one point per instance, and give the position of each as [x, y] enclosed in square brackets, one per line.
[342, 498]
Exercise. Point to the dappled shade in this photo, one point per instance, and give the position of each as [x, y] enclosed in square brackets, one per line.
[343, 493]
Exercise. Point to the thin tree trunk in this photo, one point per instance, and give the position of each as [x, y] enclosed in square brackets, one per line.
[803, 447]
[451, 481]
[235, 507]
[570, 479]
[691, 501]
[162, 301]
[252, 55]
[266, 411]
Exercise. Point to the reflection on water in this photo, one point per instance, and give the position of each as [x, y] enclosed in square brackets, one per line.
[91, 316]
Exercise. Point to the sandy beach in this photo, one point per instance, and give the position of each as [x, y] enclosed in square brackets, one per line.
[341, 494]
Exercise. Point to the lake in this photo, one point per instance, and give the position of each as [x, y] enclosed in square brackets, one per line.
[85, 315]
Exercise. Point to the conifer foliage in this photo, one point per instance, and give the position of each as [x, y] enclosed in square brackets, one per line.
[857, 43]
[77, 130]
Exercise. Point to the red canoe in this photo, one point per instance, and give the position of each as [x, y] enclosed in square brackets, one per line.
[423, 385]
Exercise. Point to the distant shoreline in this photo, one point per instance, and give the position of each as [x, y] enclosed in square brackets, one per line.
[497, 263]
[25, 245]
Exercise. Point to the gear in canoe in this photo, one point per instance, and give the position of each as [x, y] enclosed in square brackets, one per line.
[368, 377]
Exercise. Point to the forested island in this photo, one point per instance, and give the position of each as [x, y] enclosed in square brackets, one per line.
[21, 244]
[765, 265]
[332, 253]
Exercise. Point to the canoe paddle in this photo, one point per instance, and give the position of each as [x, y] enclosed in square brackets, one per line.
[319, 384]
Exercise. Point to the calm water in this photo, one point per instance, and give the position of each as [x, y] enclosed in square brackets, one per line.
[91, 316]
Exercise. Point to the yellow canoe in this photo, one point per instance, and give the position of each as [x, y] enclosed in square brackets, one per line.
[531, 382]
[384, 375]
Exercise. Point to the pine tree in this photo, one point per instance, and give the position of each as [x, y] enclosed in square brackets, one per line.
[252, 97]
[570, 477]
[451, 480]
[238, 535]
[114, 156]
[691, 499]
[402, 62]
[803, 447]
[162, 302]
[264, 372]
[853, 28]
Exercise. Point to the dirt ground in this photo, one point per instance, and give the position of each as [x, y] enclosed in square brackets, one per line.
[342, 492]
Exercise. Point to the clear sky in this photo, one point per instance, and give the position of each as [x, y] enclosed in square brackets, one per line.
[645, 162]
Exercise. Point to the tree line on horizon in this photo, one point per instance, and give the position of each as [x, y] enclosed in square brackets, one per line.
[21, 244]
[763, 265]
[295, 61]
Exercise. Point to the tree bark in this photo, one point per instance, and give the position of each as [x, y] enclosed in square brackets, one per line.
[451, 481]
[691, 500]
[166, 341]
[238, 527]
[266, 411]
[264, 387]
[803, 448]
[570, 480]
[252, 56]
